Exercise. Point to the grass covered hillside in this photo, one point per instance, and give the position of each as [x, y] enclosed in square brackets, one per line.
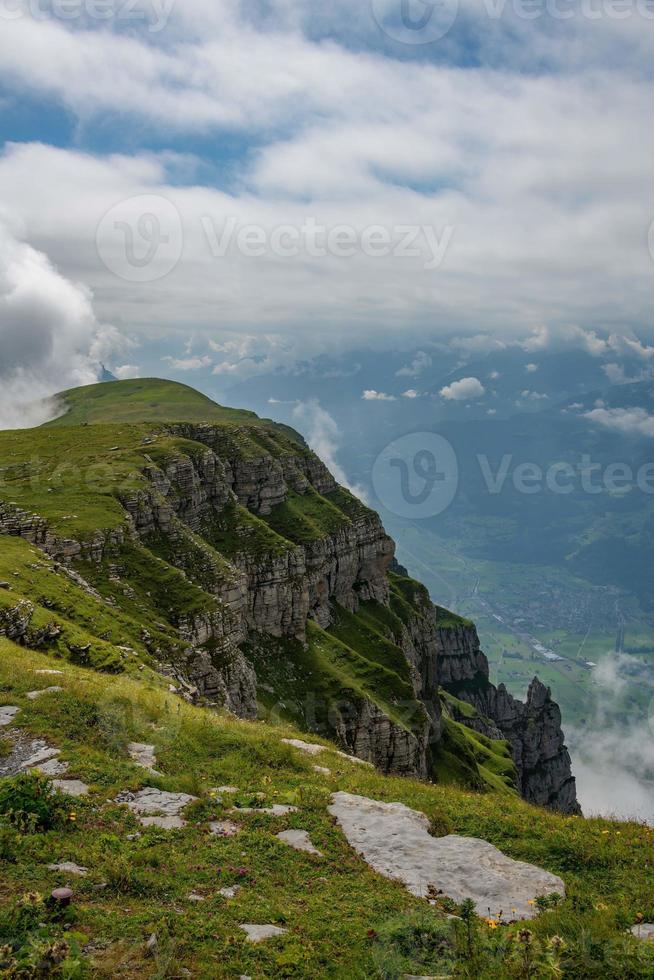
[341, 919]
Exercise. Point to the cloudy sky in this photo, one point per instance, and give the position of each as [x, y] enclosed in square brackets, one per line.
[224, 182]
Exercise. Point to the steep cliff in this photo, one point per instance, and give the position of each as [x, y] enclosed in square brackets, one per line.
[234, 562]
[532, 728]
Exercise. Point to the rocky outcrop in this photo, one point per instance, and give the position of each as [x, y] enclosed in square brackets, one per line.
[532, 727]
[16, 624]
[366, 732]
[232, 684]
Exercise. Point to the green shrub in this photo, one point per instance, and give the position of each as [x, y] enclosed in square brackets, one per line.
[30, 803]
[416, 943]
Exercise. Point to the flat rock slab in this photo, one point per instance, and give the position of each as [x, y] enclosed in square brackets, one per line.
[33, 695]
[48, 671]
[276, 810]
[71, 787]
[156, 808]
[69, 867]
[7, 714]
[299, 840]
[323, 770]
[53, 767]
[643, 931]
[26, 753]
[257, 934]
[143, 755]
[224, 828]
[395, 841]
[309, 747]
[225, 789]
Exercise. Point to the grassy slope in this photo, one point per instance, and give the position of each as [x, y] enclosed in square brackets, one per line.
[335, 908]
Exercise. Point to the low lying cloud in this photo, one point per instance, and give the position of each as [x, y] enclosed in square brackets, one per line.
[370, 395]
[50, 338]
[324, 436]
[460, 391]
[630, 421]
[613, 755]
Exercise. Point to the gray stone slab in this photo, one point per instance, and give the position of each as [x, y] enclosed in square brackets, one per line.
[69, 867]
[33, 695]
[7, 714]
[396, 842]
[71, 787]
[645, 930]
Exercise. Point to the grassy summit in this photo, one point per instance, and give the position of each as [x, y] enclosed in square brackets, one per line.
[143, 400]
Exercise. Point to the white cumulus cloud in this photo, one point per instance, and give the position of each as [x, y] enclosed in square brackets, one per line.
[462, 390]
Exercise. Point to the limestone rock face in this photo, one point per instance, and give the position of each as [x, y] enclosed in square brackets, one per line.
[532, 727]
[395, 841]
[232, 684]
[366, 732]
[349, 567]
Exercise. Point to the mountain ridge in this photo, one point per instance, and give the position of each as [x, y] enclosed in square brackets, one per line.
[263, 552]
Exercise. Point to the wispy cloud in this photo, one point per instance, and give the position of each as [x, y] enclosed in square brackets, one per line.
[325, 438]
